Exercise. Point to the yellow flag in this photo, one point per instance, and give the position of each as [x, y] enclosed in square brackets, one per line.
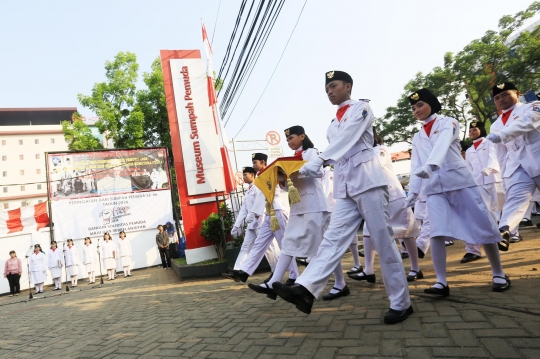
[267, 180]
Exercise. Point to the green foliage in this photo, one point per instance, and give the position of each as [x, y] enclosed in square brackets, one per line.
[78, 135]
[217, 228]
[464, 82]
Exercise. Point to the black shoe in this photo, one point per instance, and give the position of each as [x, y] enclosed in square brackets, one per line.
[269, 277]
[240, 275]
[342, 293]
[270, 293]
[470, 257]
[504, 245]
[525, 223]
[421, 254]
[230, 276]
[361, 254]
[497, 287]
[302, 262]
[297, 295]
[417, 275]
[516, 238]
[290, 282]
[445, 291]
[368, 277]
[404, 255]
[355, 270]
[395, 316]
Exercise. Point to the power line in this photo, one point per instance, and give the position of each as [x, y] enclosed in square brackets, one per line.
[273, 72]
[215, 23]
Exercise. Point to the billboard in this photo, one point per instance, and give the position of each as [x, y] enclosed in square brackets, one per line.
[112, 190]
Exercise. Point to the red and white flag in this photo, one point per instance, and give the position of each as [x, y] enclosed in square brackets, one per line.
[24, 219]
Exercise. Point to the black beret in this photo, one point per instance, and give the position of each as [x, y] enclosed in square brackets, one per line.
[479, 125]
[337, 75]
[428, 97]
[505, 86]
[294, 130]
[249, 170]
[259, 157]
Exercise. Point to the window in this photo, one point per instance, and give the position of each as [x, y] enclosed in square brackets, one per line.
[39, 187]
[5, 189]
[21, 157]
[36, 141]
[38, 171]
[52, 140]
[37, 156]
[3, 144]
[4, 174]
[4, 158]
[6, 205]
[22, 172]
[22, 188]
[20, 142]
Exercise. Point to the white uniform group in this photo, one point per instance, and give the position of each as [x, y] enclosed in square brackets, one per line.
[454, 199]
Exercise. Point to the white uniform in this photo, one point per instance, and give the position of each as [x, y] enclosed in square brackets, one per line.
[124, 252]
[519, 158]
[328, 186]
[421, 213]
[361, 193]
[89, 257]
[72, 261]
[107, 250]
[56, 260]
[451, 190]
[38, 267]
[309, 218]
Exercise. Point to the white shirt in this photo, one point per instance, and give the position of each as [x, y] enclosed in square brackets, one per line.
[89, 254]
[37, 262]
[124, 248]
[395, 190]
[72, 256]
[107, 249]
[55, 257]
[485, 156]
[247, 204]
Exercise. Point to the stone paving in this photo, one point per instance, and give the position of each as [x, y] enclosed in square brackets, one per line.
[153, 314]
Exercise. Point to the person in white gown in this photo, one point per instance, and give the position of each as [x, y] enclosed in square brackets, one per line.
[55, 259]
[72, 262]
[89, 259]
[38, 268]
[124, 253]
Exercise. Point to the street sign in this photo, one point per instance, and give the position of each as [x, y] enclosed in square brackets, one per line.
[273, 138]
[275, 151]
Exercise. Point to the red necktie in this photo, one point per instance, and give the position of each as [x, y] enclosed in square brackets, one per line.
[476, 144]
[341, 111]
[506, 116]
[299, 153]
[427, 127]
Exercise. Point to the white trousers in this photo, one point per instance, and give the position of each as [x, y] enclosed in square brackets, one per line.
[263, 241]
[422, 241]
[372, 206]
[473, 248]
[272, 253]
[519, 191]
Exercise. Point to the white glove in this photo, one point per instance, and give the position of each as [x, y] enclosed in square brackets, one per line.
[250, 217]
[486, 171]
[312, 168]
[411, 199]
[493, 137]
[236, 232]
[424, 172]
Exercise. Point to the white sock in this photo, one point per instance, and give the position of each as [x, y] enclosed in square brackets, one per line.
[438, 256]
[494, 257]
[354, 252]
[281, 267]
[41, 287]
[75, 278]
[339, 278]
[410, 243]
[369, 256]
[126, 271]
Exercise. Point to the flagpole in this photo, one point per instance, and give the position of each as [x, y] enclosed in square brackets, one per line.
[48, 182]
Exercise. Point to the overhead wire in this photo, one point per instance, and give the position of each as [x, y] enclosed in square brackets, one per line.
[215, 23]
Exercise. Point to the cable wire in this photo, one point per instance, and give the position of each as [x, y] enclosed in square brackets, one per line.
[215, 23]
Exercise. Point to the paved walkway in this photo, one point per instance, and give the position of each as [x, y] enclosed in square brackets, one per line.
[154, 315]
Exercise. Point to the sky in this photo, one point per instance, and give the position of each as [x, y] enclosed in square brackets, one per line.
[52, 51]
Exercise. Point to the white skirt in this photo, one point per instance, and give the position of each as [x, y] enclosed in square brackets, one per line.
[420, 210]
[89, 267]
[126, 261]
[56, 272]
[109, 263]
[72, 270]
[402, 219]
[38, 277]
[463, 215]
[304, 234]
[493, 195]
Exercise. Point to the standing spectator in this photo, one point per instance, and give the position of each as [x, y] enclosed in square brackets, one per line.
[173, 240]
[38, 268]
[162, 241]
[13, 271]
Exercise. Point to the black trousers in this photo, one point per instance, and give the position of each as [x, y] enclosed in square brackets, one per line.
[165, 257]
[172, 251]
[14, 285]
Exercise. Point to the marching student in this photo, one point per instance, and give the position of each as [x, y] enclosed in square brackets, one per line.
[361, 192]
[265, 237]
[124, 253]
[89, 259]
[404, 225]
[455, 207]
[516, 134]
[38, 268]
[56, 260]
[108, 255]
[72, 262]
[309, 218]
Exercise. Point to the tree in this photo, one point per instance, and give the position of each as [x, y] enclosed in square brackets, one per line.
[114, 102]
[79, 136]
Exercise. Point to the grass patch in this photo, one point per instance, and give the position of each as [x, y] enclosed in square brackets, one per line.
[182, 262]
